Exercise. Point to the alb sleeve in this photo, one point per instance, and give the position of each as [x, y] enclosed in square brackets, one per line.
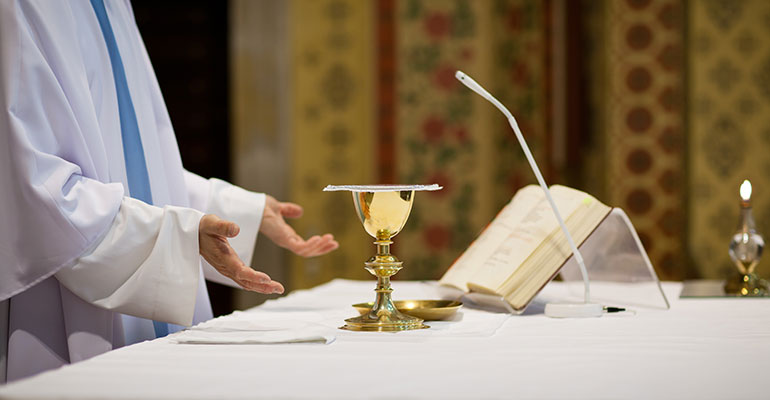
[147, 265]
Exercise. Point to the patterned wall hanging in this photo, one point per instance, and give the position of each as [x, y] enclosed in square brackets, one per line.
[729, 114]
[644, 126]
[446, 134]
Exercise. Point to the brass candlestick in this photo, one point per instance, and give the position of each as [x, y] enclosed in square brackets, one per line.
[745, 251]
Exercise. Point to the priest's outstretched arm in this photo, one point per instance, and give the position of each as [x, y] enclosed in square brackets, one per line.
[147, 263]
[253, 213]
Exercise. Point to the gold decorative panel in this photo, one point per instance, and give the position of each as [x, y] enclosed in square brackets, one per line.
[332, 132]
[729, 116]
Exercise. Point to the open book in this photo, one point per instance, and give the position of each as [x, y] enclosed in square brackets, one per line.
[524, 247]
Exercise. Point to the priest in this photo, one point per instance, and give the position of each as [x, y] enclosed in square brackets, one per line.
[105, 238]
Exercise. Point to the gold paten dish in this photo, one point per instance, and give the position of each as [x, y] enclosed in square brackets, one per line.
[429, 310]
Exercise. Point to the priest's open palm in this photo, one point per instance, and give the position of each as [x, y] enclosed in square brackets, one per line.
[275, 227]
[214, 247]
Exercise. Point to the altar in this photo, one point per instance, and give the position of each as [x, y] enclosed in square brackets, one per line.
[699, 348]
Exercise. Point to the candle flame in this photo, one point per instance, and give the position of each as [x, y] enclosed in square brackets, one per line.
[746, 190]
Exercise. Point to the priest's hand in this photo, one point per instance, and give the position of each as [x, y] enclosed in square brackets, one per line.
[214, 247]
[275, 227]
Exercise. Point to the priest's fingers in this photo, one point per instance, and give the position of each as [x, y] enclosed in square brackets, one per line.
[245, 274]
[314, 246]
[285, 236]
[256, 281]
[232, 267]
[213, 225]
[221, 256]
[325, 244]
[214, 247]
[268, 288]
[309, 246]
[291, 210]
[328, 246]
[304, 247]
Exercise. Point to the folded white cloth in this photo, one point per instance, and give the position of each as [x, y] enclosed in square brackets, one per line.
[258, 327]
[239, 337]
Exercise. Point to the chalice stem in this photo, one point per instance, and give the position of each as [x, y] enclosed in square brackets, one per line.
[383, 247]
[383, 300]
[384, 266]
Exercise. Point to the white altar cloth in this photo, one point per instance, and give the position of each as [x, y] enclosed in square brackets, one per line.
[700, 349]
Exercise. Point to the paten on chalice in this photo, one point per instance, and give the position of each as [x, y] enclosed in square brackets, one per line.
[383, 210]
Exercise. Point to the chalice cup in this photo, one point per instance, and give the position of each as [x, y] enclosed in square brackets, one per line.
[383, 213]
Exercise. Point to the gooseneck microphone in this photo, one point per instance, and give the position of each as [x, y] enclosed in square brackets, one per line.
[558, 310]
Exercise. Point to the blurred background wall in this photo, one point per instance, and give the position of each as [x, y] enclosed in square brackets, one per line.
[661, 107]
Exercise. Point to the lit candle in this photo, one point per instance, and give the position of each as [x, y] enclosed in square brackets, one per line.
[745, 250]
[746, 193]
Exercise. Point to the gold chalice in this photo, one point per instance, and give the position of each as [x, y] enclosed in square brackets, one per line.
[383, 210]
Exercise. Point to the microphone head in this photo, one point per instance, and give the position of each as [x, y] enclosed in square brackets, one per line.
[472, 85]
[465, 79]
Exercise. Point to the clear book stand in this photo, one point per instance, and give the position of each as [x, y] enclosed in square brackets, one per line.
[619, 270]
[615, 258]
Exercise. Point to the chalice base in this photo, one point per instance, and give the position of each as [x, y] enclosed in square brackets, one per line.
[390, 322]
[748, 285]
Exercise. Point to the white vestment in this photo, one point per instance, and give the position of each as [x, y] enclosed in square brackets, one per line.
[75, 249]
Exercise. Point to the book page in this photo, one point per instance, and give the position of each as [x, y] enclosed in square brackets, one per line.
[493, 236]
[550, 255]
[523, 239]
